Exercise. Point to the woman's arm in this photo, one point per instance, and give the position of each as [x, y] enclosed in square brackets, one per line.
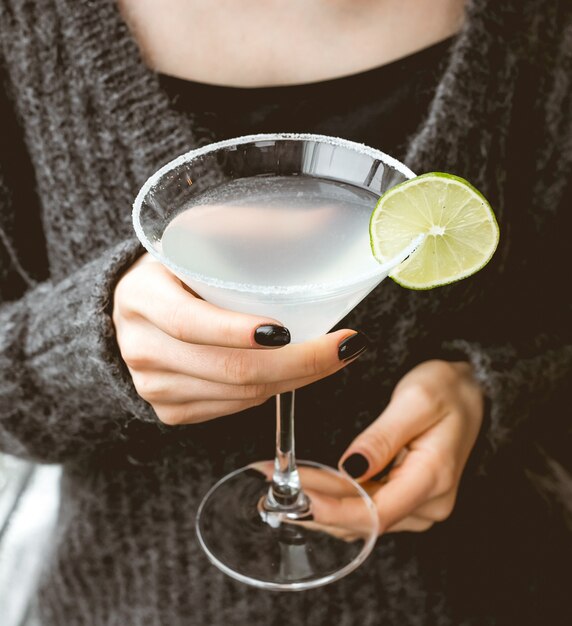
[63, 388]
[65, 391]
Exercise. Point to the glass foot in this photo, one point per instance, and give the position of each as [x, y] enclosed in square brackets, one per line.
[300, 548]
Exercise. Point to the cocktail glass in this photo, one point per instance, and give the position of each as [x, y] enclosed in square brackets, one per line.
[276, 225]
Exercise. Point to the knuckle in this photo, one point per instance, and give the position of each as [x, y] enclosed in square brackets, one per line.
[122, 289]
[226, 330]
[244, 405]
[423, 397]
[147, 386]
[431, 468]
[447, 476]
[239, 369]
[259, 391]
[189, 414]
[446, 370]
[448, 373]
[443, 511]
[262, 400]
[133, 350]
[179, 321]
[178, 415]
[378, 442]
[312, 363]
[141, 383]
[118, 314]
[123, 304]
[426, 525]
[129, 289]
[168, 415]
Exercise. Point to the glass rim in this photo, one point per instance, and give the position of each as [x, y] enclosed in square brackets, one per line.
[311, 289]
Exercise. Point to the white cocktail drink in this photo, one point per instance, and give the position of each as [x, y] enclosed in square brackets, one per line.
[276, 226]
[296, 238]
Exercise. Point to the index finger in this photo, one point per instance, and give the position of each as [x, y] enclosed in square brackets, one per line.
[165, 303]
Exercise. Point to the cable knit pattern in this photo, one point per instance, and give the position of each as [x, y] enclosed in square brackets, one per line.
[96, 124]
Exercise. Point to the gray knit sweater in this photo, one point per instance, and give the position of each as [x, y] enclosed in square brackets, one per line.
[96, 125]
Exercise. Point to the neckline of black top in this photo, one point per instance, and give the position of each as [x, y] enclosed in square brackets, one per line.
[384, 75]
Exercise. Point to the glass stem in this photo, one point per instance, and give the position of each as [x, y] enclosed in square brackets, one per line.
[285, 493]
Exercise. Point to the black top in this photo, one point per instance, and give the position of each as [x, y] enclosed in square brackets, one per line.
[381, 107]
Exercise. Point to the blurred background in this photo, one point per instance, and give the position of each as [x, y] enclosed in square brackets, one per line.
[29, 496]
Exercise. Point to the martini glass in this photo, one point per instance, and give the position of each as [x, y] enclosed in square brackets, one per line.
[277, 225]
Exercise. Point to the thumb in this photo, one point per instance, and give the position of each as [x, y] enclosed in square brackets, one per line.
[407, 416]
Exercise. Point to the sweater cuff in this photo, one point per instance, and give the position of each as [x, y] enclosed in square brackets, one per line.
[517, 382]
[70, 349]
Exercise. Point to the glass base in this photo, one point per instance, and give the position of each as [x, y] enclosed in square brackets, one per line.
[289, 550]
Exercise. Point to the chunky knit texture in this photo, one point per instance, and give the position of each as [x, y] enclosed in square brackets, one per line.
[96, 125]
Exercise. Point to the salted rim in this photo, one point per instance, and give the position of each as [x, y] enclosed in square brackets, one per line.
[285, 290]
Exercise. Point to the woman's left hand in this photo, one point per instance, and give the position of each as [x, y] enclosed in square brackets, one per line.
[429, 428]
[434, 415]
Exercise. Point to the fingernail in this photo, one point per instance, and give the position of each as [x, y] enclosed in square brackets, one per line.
[272, 335]
[353, 346]
[356, 465]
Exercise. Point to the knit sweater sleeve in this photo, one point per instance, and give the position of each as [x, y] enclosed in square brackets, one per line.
[524, 386]
[63, 388]
[521, 352]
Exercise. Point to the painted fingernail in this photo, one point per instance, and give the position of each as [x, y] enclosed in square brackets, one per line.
[353, 346]
[356, 465]
[272, 335]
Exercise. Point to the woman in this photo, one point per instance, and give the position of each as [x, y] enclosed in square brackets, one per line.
[99, 96]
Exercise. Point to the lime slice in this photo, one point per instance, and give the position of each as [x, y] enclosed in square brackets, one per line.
[459, 227]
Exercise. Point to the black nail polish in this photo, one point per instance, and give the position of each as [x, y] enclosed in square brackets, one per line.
[356, 465]
[353, 346]
[272, 335]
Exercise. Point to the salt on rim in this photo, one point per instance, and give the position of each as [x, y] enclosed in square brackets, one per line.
[314, 290]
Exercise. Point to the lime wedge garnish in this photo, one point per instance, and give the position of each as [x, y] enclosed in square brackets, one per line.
[461, 232]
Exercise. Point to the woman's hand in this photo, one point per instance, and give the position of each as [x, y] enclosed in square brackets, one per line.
[429, 428]
[193, 361]
[430, 425]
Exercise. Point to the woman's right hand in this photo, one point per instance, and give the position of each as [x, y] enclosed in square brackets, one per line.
[193, 361]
